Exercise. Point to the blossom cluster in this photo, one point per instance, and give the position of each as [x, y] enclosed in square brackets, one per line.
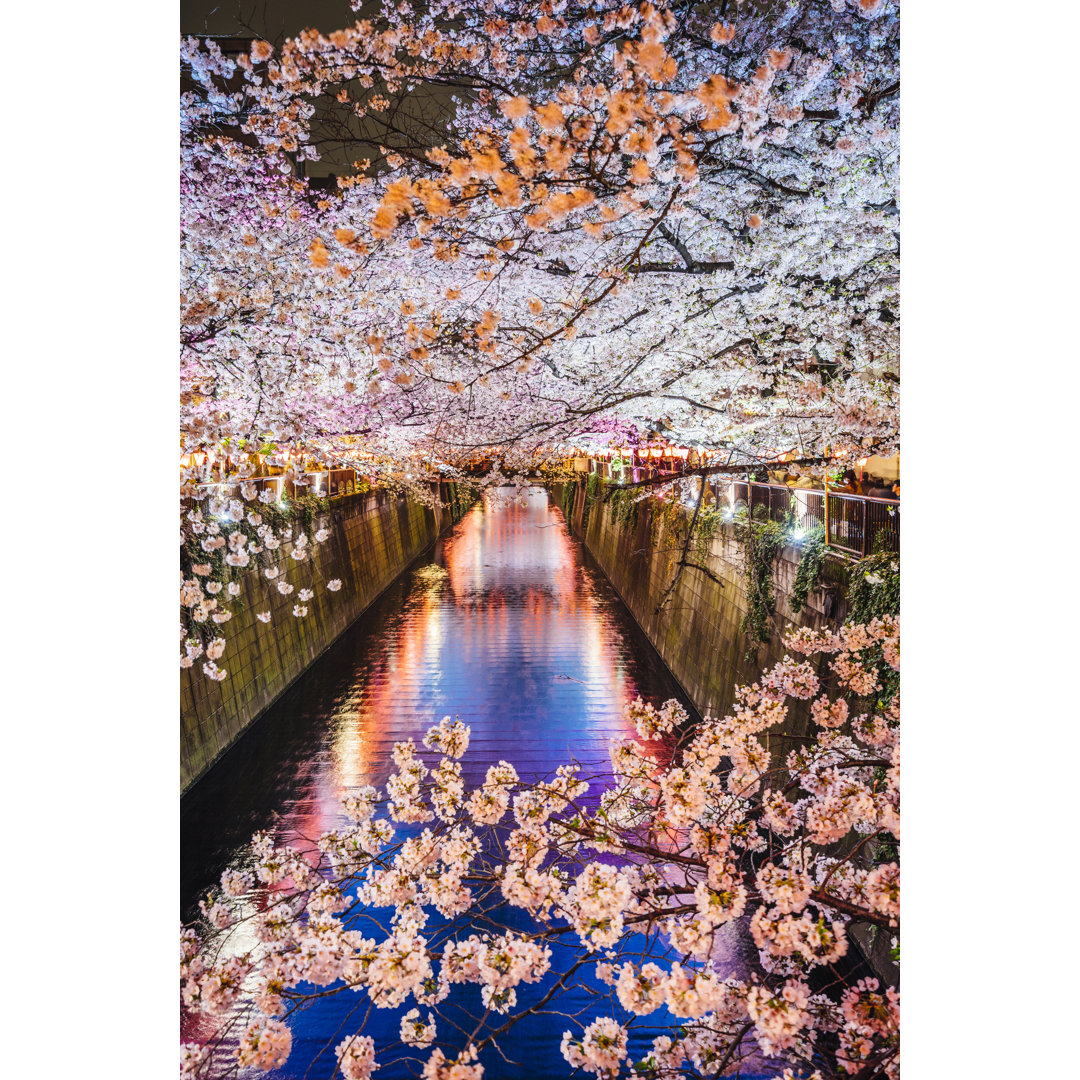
[805, 847]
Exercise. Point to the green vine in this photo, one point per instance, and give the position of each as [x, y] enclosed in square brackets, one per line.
[569, 488]
[623, 509]
[301, 508]
[873, 591]
[761, 542]
[809, 570]
[708, 525]
[667, 522]
[874, 588]
[592, 492]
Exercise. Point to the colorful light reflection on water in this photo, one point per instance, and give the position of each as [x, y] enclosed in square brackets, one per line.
[506, 625]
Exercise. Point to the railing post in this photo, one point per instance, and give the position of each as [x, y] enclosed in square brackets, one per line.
[826, 506]
[865, 532]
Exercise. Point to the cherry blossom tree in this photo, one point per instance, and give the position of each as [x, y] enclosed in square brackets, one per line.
[626, 218]
[695, 827]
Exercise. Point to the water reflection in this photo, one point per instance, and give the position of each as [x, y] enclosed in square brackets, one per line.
[506, 625]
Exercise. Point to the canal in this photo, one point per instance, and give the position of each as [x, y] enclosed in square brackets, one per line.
[505, 623]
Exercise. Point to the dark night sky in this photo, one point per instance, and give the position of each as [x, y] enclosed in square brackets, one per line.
[274, 20]
[271, 19]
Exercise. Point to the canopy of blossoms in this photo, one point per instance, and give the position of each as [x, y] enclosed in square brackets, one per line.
[553, 222]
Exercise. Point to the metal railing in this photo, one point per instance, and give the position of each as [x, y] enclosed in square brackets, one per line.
[330, 483]
[633, 474]
[855, 524]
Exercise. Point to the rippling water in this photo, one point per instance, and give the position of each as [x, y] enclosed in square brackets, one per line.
[509, 626]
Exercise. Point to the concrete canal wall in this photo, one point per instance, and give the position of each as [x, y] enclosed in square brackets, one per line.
[373, 538]
[697, 630]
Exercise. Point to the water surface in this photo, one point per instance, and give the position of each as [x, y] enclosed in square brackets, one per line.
[507, 624]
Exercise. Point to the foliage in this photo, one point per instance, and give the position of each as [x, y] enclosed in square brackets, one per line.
[593, 487]
[668, 522]
[874, 588]
[809, 570]
[874, 593]
[705, 530]
[623, 508]
[569, 489]
[697, 827]
[299, 509]
[761, 542]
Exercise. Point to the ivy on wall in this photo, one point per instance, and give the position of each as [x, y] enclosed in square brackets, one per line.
[761, 542]
[708, 525]
[809, 569]
[667, 523]
[593, 488]
[873, 591]
[569, 488]
[300, 509]
[874, 588]
[623, 509]
[874, 582]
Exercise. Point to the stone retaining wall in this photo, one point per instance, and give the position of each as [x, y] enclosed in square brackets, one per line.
[373, 538]
[697, 629]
